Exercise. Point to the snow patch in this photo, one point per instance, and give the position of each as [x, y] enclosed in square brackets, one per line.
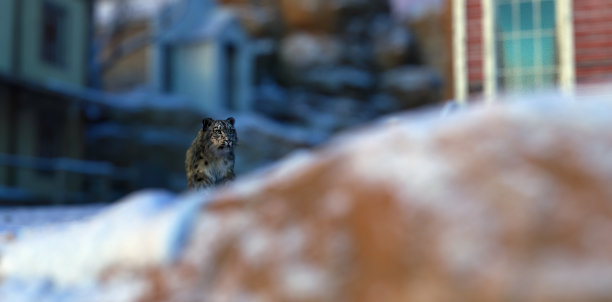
[304, 282]
[254, 245]
[43, 291]
[337, 204]
[293, 240]
[392, 170]
[281, 171]
[146, 228]
[575, 279]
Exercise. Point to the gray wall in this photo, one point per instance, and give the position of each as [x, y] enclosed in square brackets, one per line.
[6, 34]
[32, 66]
[195, 74]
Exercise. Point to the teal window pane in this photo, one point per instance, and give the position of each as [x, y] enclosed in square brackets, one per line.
[526, 14]
[504, 17]
[547, 14]
[511, 53]
[513, 81]
[549, 51]
[505, 81]
[527, 52]
[528, 57]
[528, 81]
[549, 78]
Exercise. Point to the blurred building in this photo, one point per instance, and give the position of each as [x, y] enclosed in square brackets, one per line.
[44, 53]
[45, 39]
[518, 45]
[203, 53]
[190, 48]
[124, 42]
[63, 141]
[125, 54]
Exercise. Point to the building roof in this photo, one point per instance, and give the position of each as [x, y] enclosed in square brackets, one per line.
[107, 11]
[195, 20]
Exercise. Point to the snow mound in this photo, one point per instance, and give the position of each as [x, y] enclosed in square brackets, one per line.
[142, 230]
[509, 201]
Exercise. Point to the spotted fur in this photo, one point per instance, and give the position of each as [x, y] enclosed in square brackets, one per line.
[210, 158]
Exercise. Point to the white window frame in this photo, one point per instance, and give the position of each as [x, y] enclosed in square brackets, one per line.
[565, 37]
[565, 34]
[460, 68]
[565, 46]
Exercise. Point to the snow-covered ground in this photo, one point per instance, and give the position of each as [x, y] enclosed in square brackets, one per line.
[12, 219]
[73, 245]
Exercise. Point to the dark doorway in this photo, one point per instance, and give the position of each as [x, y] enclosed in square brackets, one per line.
[54, 27]
[167, 83]
[230, 76]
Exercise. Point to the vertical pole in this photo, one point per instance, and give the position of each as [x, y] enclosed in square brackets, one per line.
[17, 39]
[565, 36]
[489, 50]
[459, 51]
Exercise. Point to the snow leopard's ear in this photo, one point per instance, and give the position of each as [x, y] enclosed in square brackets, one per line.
[231, 120]
[206, 122]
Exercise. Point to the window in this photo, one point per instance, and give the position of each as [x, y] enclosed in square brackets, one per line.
[53, 34]
[523, 45]
[527, 55]
[167, 54]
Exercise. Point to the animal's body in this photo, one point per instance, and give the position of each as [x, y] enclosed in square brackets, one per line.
[210, 158]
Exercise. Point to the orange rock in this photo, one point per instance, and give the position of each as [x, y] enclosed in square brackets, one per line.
[502, 203]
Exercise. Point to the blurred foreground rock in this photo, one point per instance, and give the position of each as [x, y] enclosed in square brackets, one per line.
[509, 202]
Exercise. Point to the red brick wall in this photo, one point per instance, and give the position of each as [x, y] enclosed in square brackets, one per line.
[593, 38]
[474, 45]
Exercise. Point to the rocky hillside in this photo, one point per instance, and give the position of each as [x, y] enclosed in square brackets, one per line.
[496, 203]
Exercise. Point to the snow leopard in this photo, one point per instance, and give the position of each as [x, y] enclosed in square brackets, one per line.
[210, 158]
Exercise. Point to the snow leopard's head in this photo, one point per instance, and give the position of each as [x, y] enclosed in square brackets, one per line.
[220, 135]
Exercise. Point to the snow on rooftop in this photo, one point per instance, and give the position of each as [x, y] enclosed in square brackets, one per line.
[108, 10]
[197, 21]
[135, 100]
